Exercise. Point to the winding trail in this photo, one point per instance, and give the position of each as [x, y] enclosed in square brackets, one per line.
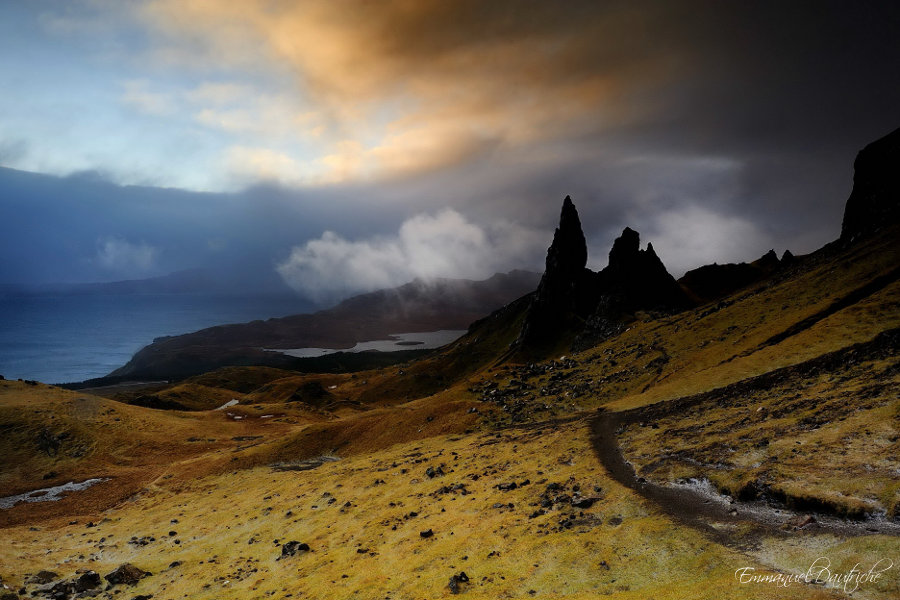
[716, 516]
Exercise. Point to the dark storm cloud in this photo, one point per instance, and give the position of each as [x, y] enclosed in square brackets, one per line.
[83, 228]
[717, 129]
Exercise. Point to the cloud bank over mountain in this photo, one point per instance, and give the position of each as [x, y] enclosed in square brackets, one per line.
[445, 243]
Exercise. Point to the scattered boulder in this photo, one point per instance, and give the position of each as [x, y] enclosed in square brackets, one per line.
[431, 472]
[88, 581]
[456, 580]
[42, 577]
[426, 534]
[583, 502]
[293, 547]
[127, 574]
[61, 590]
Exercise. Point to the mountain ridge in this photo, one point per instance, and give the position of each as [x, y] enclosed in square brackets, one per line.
[417, 306]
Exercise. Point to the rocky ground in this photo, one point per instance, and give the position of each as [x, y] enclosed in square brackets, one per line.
[526, 512]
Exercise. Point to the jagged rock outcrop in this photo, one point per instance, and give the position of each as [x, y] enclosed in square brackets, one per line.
[875, 199]
[636, 279]
[572, 298]
[711, 282]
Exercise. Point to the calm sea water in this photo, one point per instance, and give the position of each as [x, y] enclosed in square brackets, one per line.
[65, 338]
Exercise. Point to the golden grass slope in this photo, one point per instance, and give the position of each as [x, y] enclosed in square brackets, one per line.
[221, 536]
[477, 412]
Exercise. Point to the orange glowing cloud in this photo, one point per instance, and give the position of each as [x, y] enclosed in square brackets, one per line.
[392, 88]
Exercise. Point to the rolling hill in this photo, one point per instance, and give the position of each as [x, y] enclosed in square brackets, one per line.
[612, 433]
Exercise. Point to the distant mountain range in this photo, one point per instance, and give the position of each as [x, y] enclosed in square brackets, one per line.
[418, 306]
[188, 281]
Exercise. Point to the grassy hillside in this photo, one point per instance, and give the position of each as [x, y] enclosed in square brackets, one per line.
[362, 517]
[784, 392]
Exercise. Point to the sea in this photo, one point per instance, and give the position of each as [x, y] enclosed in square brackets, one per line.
[64, 338]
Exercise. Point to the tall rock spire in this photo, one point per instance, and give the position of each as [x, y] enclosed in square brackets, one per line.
[562, 282]
[568, 252]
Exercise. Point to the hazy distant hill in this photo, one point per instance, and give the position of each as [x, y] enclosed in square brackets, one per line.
[188, 281]
[417, 306]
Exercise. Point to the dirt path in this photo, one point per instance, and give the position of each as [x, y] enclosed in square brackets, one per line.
[715, 515]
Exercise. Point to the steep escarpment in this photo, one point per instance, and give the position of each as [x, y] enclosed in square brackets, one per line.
[875, 200]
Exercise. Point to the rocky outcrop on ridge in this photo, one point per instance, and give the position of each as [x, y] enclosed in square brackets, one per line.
[711, 282]
[637, 279]
[571, 297]
[875, 199]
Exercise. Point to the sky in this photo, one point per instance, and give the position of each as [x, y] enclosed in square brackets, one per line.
[338, 147]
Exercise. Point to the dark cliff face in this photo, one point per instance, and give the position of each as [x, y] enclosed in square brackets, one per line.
[571, 298]
[875, 199]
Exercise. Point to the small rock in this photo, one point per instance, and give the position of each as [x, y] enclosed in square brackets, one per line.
[580, 502]
[292, 548]
[426, 534]
[42, 577]
[455, 580]
[126, 573]
[88, 581]
[60, 590]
